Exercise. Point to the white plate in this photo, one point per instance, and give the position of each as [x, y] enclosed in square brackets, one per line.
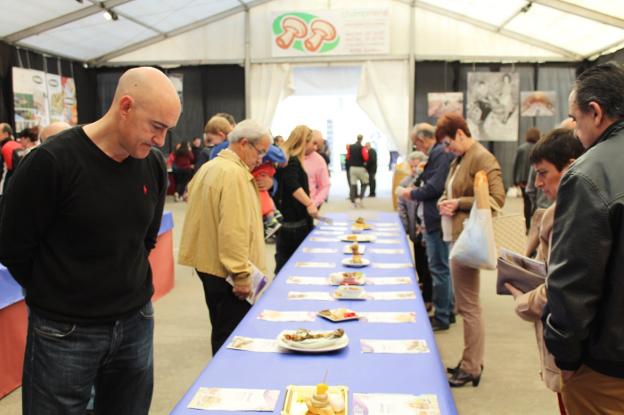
[347, 249]
[337, 344]
[356, 228]
[337, 278]
[357, 237]
[348, 262]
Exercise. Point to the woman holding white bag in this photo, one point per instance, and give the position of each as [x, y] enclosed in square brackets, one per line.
[455, 205]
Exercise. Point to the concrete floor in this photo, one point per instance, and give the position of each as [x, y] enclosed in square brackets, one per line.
[510, 383]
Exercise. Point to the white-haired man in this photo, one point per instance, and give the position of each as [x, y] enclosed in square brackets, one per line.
[223, 232]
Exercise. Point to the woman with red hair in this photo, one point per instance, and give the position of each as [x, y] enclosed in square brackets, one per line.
[454, 206]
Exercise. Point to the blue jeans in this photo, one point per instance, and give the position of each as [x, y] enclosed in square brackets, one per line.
[438, 255]
[64, 360]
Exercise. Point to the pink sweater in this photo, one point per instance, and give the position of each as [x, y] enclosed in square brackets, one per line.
[318, 177]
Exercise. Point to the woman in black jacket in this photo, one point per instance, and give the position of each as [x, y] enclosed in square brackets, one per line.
[293, 197]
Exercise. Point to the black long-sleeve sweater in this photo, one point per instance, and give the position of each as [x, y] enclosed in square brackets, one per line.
[76, 229]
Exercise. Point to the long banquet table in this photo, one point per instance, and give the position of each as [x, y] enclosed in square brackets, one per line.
[13, 314]
[415, 374]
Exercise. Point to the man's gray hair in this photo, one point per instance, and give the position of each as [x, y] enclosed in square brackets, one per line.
[424, 129]
[417, 155]
[249, 129]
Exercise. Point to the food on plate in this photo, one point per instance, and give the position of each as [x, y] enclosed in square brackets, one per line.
[347, 278]
[320, 399]
[357, 259]
[339, 314]
[351, 237]
[349, 291]
[360, 221]
[304, 334]
[319, 403]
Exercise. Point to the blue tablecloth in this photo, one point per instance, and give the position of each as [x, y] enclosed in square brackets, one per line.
[166, 223]
[362, 373]
[11, 292]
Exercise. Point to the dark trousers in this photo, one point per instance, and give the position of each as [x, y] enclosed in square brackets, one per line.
[64, 360]
[372, 182]
[182, 177]
[528, 209]
[422, 269]
[225, 309]
[288, 240]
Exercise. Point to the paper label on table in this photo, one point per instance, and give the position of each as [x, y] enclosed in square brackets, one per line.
[386, 251]
[388, 317]
[310, 295]
[305, 264]
[230, 399]
[343, 224]
[395, 234]
[251, 344]
[387, 224]
[333, 228]
[388, 241]
[393, 404]
[391, 295]
[320, 239]
[307, 280]
[327, 233]
[389, 280]
[309, 250]
[408, 346]
[391, 265]
[272, 315]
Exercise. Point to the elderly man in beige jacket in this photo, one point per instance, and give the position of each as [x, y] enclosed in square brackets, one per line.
[223, 234]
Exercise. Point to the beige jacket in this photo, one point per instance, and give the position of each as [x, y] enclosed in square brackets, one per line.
[465, 167]
[530, 305]
[223, 230]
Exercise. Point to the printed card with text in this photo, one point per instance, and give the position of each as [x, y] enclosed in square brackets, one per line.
[391, 295]
[389, 280]
[388, 317]
[305, 264]
[310, 295]
[408, 346]
[251, 344]
[272, 315]
[309, 250]
[307, 280]
[393, 404]
[231, 399]
[392, 265]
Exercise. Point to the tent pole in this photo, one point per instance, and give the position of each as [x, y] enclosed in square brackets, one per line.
[411, 62]
[247, 61]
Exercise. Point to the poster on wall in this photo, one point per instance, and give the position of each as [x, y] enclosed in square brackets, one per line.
[177, 79]
[538, 103]
[492, 105]
[330, 32]
[62, 99]
[40, 98]
[30, 98]
[441, 103]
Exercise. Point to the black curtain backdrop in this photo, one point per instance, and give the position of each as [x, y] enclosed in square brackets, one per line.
[83, 77]
[440, 76]
[207, 89]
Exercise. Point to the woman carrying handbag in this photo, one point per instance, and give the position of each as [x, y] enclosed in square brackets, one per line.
[455, 206]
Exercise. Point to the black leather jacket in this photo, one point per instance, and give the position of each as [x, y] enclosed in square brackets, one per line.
[584, 316]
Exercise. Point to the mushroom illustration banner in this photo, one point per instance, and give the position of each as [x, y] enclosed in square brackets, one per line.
[330, 32]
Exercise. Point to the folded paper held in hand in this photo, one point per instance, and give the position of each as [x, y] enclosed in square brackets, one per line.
[258, 282]
[522, 272]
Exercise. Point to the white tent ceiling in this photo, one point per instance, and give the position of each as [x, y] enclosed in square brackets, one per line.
[213, 31]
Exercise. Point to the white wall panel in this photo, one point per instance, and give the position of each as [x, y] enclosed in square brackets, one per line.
[223, 40]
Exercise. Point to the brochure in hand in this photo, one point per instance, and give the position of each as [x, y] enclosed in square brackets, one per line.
[258, 282]
[522, 272]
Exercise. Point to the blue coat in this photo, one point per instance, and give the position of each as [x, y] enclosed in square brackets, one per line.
[434, 176]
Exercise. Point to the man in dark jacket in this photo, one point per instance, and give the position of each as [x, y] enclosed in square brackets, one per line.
[521, 170]
[434, 175]
[371, 168]
[584, 327]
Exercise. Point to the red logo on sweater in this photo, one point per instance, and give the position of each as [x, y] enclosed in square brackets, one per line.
[144, 189]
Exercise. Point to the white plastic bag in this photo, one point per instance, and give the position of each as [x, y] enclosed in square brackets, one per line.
[475, 246]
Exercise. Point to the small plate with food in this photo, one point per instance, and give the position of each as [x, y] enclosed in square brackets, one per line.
[355, 237]
[313, 341]
[350, 292]
[356, 261]
[339, 314]
[354, 248]
[347, 278]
